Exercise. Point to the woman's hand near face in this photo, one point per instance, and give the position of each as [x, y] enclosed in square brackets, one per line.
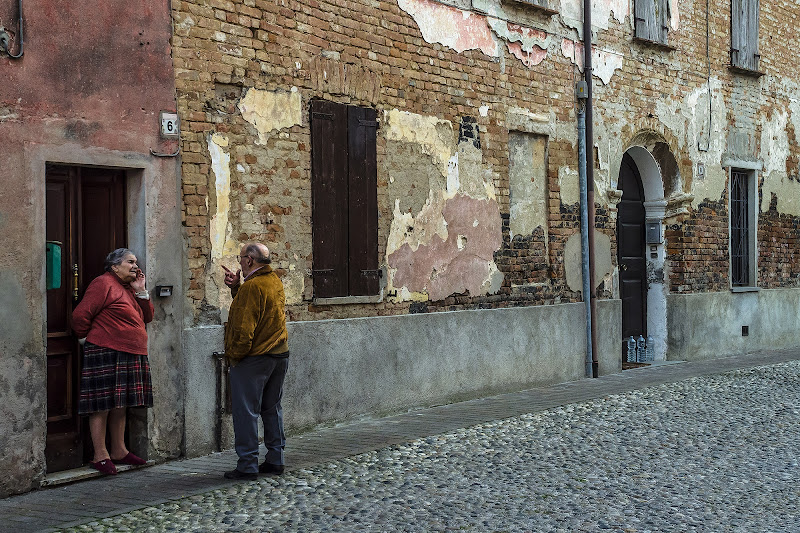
[139, 283]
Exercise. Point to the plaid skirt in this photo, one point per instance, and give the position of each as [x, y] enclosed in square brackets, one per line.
[111, 379]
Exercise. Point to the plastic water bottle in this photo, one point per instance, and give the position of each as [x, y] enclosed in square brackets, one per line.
[649, 354]
[631, 356]
[641, 346]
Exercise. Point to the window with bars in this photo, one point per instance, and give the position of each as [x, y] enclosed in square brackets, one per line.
[742, 230]
[651, 20]
[744, 34]
[344, 198]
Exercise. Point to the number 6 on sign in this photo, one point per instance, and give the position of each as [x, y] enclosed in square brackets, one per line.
[170, 126]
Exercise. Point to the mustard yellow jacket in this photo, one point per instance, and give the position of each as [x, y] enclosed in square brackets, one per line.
[257, 319]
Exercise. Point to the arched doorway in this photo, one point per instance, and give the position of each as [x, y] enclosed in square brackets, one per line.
[644, 174]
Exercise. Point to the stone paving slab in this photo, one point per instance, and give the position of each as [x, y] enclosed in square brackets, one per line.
[68, 505]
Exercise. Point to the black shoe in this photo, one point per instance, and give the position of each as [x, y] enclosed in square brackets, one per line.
[269, 468]
[237, 474]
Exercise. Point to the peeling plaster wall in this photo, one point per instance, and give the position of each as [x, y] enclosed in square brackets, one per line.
[221, 243]
[268, 111]
[776, 150]
[459, 29]
[459, 227]
[446, 221]
[527, 176]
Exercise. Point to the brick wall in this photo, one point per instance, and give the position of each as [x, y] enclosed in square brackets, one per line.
[373, 54]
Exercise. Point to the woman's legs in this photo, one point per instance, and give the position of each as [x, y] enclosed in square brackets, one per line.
[116, 426]
[97, 428]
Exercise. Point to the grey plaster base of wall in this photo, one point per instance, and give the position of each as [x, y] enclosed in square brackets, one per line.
[201, 414]
[709, 325]
[341, 369]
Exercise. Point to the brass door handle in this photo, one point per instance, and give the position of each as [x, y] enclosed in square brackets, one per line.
[75, 282]
[623, 266]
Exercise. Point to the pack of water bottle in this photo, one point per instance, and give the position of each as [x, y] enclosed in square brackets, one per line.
[640, 350]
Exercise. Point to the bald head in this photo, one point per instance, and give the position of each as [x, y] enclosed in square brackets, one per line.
[258, 252]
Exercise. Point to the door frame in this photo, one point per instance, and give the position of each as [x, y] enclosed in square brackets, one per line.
[138, 169]
[655, 206]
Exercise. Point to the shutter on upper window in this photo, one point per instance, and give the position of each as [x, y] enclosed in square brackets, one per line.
[652, 20]
[329, 198]
[363, 205]
[744, 34]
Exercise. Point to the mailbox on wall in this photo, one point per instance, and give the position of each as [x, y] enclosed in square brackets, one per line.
[53, 265]
[653, 231]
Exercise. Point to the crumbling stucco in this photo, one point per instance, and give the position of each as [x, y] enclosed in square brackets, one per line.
[569, 185]
[432, 135]
[602, 12]
[271, 110]
[604, 62]
[446, 222]
[775, 147]
[462, 262]
[219, 227]
[573, 260]
[527, 175]
[458, 29]
[293, 285]
[703, 139]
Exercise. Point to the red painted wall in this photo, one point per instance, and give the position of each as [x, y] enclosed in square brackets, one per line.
[93, 72]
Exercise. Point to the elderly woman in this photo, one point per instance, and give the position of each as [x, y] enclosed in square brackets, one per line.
[115, 374]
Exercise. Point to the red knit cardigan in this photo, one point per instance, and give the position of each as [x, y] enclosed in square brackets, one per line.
[111, 316]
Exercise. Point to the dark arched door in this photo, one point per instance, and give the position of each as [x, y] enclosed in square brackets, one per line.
[631, 251]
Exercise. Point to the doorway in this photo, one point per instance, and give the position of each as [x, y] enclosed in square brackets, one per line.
[85, 209]
[631, 252]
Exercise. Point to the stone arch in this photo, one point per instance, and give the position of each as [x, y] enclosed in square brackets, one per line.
[662, 184]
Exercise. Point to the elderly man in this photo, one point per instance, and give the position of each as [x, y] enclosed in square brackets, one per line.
[257, 349]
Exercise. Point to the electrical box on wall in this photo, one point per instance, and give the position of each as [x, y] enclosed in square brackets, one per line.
[170, 126]
[653, 231]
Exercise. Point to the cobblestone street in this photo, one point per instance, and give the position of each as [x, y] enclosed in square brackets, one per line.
[715, 452]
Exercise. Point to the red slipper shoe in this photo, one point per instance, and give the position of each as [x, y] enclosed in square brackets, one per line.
[131, 459]
[105, 466]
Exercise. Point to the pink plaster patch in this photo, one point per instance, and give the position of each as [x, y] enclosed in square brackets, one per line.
[526, 32]
[460, 30]
[529, 59]
[441, 268]
[604, 63]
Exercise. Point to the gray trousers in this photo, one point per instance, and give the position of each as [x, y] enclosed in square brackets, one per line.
[256, 390]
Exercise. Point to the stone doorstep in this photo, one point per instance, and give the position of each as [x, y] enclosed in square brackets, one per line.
[634, 366]
[84, 472]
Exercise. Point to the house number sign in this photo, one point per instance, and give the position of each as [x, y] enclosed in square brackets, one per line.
[170, 127]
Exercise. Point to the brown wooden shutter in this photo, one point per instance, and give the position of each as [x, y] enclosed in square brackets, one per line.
[362, 133]
[329, 198]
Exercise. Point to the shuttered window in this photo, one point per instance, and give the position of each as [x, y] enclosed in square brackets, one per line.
[744, 34]
[344, 200]
[652, 20]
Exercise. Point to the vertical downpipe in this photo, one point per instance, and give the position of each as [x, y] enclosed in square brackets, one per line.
[587, 73]
[584, 226]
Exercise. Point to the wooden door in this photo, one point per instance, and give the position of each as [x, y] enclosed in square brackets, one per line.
[86, 214]
[631, 252]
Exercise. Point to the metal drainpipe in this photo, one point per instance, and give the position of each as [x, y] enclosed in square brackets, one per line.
[581, 94]
[587, 73]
